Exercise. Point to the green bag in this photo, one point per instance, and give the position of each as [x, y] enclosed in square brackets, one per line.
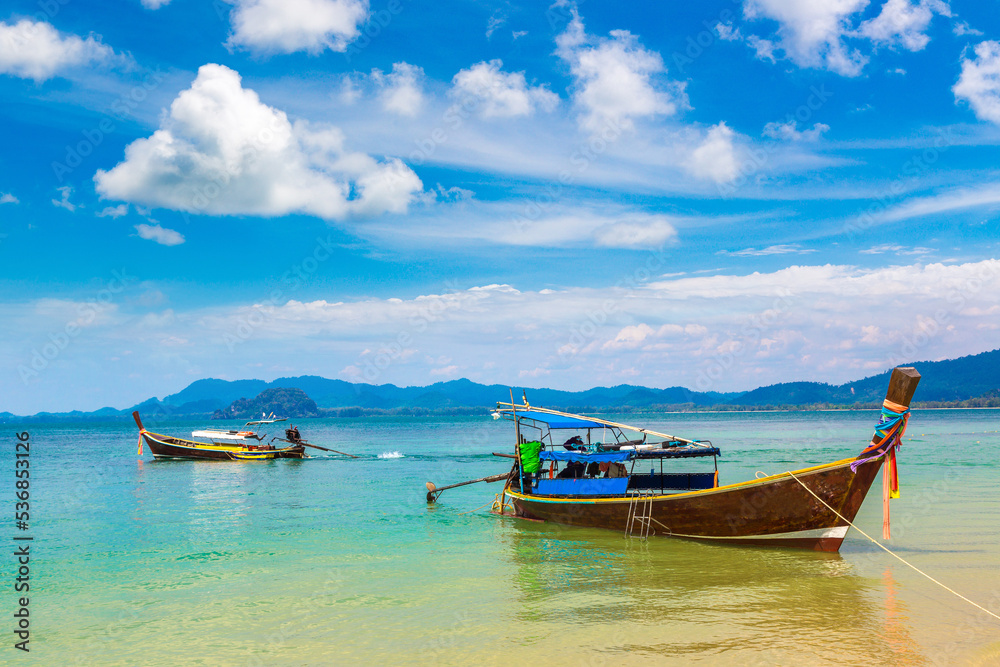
[529, 456]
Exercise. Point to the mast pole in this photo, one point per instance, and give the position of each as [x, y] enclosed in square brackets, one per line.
[517, 443]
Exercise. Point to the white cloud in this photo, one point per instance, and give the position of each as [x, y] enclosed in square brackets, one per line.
[161, 235]
[401, 89]
[7, 198]
[496, 21]
[113, 212]
[763, 48]
[630, 337]
[727, 32]
[769, 250]
[616, 79]
[979, 83]
[501, 94]
[904, 24]
[35, 50]
[811, 32]
[286, 26]
[956, 200]
[788, 131]
[896, 249]
[715, 158]
[962, 28]
[562, 227]
[221, 151]
[818, 33]
[154, 4]
[64, 201]
[651, 232]
[672, 329]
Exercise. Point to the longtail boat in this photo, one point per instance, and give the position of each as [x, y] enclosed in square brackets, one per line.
[233, 445]
[609, 485]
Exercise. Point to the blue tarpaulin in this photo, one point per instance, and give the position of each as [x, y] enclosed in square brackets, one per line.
[558, 421]
[602, 457]
[581, 487]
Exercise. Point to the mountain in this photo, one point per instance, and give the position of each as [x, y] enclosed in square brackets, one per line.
[959, 379]
[279, 401]
[973, 378]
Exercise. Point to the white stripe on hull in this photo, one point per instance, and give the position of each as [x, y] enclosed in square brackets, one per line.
[837, 532]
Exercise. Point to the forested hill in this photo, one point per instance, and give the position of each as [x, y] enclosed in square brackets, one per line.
[972, 377]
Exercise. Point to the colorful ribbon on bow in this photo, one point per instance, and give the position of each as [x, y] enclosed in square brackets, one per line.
[142, 432]
[890, 428]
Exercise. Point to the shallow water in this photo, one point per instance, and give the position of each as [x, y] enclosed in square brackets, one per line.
[335, 561]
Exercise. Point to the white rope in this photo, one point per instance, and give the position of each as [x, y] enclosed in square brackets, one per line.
[888, 551]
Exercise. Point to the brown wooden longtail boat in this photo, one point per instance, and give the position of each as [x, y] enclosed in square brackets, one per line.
[809, 508]
[243, 445]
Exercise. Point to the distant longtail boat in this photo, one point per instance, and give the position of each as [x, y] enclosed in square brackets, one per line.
[243, 445]
[607, 485]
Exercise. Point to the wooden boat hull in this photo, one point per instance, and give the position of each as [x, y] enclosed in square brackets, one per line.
[771, 511]
[165, 447]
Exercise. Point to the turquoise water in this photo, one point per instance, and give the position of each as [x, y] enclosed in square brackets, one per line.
[336, 561]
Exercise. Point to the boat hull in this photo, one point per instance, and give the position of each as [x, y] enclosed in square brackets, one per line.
[164, 447]
[771, 511]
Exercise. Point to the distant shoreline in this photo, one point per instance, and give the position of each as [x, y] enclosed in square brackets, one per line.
[472, 411]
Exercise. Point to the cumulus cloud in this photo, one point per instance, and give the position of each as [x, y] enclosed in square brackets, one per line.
[221, 151]
[286, 26]
[501, 94]
[154, 4]
[616, 79]
[715, 158]
[401, 90]
[7, 198]
[159, 234]
[819, 33]
[904, 24]
[811, 32]
[979, 83]
[35, 50]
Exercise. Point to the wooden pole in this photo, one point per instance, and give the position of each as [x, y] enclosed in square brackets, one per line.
[517, 445]
[433, 492]
[303, 442]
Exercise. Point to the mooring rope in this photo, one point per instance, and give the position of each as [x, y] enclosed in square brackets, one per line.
[478, 508]
[891, 553]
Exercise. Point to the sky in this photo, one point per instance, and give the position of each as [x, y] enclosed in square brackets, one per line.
[717, 195]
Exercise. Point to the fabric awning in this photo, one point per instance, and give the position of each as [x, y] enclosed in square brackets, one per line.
[558, 421]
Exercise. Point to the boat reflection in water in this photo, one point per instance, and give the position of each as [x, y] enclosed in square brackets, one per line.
[595, 598]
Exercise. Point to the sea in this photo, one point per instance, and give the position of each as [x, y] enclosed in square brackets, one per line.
[339, 561]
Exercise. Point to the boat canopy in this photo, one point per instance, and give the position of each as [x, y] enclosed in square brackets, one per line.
[585, 457]
[558, 421]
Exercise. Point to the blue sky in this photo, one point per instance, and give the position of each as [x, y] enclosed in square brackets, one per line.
[714, 195]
